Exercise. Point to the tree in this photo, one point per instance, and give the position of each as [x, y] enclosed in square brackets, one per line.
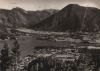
[5, 59]
[16, 55]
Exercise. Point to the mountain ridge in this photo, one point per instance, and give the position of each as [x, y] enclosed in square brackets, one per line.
[18, 17]
[71, 18]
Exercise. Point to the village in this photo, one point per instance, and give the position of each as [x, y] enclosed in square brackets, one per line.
[72, 52]
[57, 51]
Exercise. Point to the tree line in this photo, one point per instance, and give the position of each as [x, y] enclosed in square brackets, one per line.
[10, 57]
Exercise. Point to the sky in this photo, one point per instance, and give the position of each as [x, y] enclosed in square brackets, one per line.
[45, 4]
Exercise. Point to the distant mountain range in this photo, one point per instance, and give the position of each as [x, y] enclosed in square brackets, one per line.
[18, 17]
[72, 18]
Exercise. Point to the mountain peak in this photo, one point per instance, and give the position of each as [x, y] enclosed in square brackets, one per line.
[73, 5]
[73, 17]
[17, 8]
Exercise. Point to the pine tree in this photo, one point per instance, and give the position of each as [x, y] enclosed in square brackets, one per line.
[5, 59]
[15, 55]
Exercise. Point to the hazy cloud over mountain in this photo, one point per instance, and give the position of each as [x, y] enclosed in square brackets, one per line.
[45, 4]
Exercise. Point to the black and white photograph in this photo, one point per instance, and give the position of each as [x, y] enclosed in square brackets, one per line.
[49, 35]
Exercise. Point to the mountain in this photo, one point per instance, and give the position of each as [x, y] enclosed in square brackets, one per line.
[18, 17]
[35, 17]
[72, 18]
